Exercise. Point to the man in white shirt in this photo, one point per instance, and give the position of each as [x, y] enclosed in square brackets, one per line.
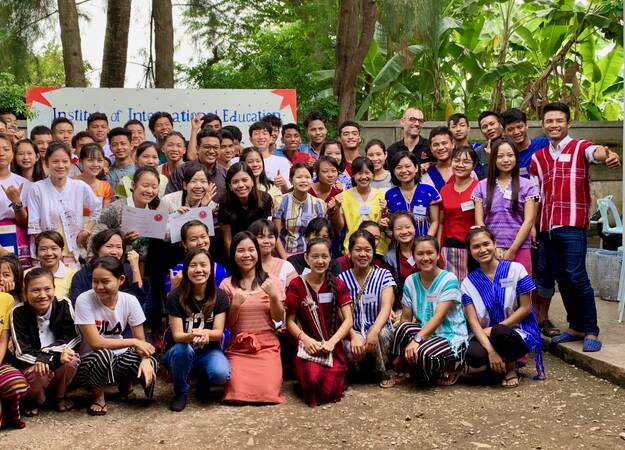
[276, 167]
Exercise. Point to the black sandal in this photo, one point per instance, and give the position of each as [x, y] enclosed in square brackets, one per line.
[92, 411]
[547, 328]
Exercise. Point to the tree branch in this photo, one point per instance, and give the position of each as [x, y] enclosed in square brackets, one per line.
[50, 14]
[558, 57]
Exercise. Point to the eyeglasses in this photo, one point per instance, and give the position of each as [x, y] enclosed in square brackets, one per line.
[415, 119]
[462, 162]
[210, 147]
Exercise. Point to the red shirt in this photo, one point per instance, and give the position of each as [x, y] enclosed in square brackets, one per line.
[405, 268]
[333, 191]
[564, 184]
[299, 157]
[348, 168]
[458, 211]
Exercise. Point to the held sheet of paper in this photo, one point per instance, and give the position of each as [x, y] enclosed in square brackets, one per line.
[146, 222]
[177, 220]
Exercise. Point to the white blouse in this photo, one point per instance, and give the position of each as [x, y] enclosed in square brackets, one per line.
[49, 209]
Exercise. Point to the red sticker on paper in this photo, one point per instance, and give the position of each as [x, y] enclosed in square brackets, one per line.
[158, 217]
[203, 214]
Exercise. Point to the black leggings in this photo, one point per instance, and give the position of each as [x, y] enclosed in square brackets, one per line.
[506, 342]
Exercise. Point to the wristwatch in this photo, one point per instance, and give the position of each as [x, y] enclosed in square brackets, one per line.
[418, 339]
[16, 206]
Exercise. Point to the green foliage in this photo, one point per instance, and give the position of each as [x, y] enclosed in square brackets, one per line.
[447, 57]
[42, 70]
[20, 26]
[46, 69]
[12, 94]
[283, 46]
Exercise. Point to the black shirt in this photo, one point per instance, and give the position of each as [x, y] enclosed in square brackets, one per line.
[197, 320]
[421, 151]
[240, 218]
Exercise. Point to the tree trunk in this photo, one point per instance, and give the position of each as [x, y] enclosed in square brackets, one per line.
[70, 40]
[356, 26]
[115, 43]
[498, 96]
[163, 43]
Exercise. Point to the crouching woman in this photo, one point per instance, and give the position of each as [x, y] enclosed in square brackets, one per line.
[197, 316]
[498, 308]
[107, 357]
[44, 338]
[433, 346]
[319, 316]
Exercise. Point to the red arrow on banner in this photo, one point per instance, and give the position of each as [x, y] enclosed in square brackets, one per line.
[288, 99]
[35, 94]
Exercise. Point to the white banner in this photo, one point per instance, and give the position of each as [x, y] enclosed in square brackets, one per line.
[239, 107]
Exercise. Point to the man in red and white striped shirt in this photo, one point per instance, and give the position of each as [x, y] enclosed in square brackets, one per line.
[562, 171]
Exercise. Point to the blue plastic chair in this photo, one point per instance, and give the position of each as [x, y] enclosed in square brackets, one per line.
[607, 208]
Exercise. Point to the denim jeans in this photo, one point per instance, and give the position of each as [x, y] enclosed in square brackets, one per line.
[562, 255]
[182, 358]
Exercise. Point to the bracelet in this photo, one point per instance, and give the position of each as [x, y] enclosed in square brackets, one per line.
[299, 334]
[16, 206]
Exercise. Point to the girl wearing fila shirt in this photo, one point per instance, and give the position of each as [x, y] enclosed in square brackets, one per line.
[102, 315]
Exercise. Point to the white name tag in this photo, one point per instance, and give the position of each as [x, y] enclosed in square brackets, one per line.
[325, 298]
[419, 210]
[365, 210]
[467, 206]
[368, 299]
[431, 298]
[507, 195]
[523, 171]
[564, 158]
[411, 261]
[506, 282]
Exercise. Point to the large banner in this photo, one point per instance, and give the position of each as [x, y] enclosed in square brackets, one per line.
[240, 107]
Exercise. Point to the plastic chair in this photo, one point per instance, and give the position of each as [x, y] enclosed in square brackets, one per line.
[606, 207]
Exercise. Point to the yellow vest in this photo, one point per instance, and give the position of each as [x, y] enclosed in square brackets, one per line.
[351, 207]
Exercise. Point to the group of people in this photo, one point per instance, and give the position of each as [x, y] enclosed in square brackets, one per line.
[427, 260]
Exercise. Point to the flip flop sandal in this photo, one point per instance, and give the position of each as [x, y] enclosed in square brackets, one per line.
[508, 381]
[592, 345]
[547, 328]
[95, 412]
[448, 379]
[388, 383]
[565, 337]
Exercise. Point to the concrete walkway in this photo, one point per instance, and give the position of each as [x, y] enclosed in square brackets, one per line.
[609, 363]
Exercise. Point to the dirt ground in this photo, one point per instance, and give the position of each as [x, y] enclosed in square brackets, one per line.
[569, 410]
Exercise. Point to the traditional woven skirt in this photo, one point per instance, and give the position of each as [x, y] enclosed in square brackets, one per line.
[256, 375]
